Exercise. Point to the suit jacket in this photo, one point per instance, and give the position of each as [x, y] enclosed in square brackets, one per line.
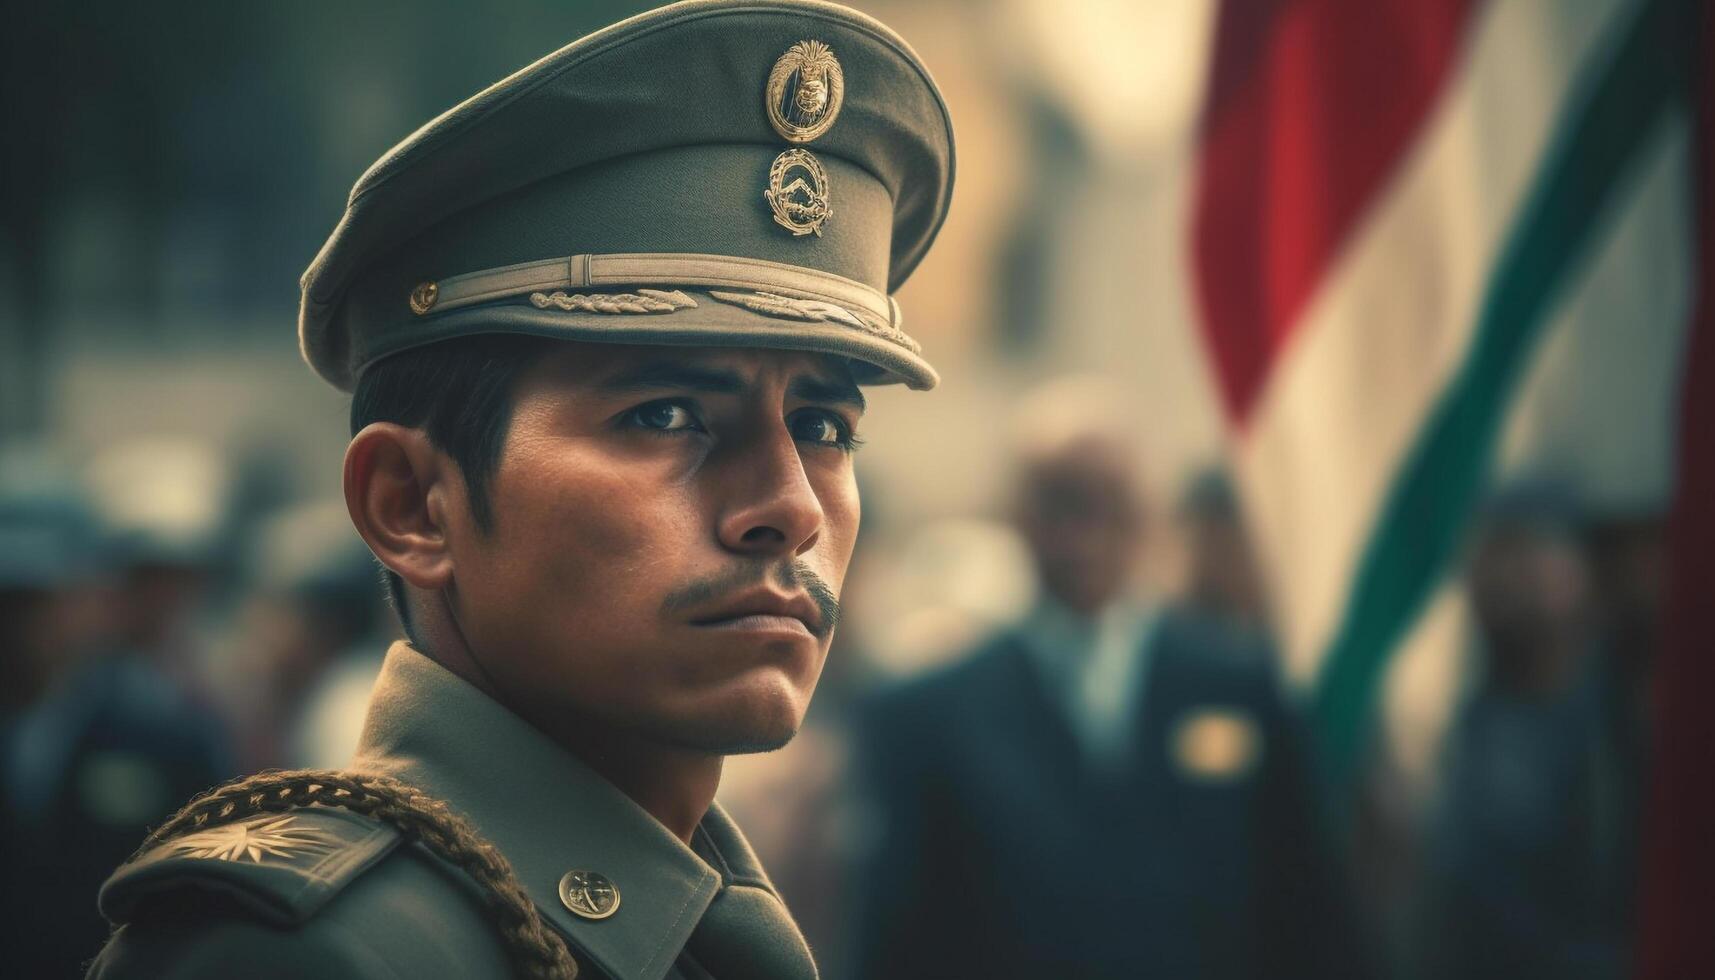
[1000, 854]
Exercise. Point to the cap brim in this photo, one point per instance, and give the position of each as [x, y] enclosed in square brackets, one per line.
[709, 324]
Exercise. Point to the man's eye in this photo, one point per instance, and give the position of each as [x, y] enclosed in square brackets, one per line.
[666, 416]
[822, 428]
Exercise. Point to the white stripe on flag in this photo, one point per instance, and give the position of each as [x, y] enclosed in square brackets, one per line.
[1598, 404]
[1598, 407]
[1392, 321]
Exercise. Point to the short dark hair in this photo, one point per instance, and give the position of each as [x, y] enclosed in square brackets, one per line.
[460, 393]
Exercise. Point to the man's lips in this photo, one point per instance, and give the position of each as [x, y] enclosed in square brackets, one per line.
[764, 611]
[761, 624]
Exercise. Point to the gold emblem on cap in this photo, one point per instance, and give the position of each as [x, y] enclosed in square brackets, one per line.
[1216, 745]
[805, 91]
[589, 894]
[424, 296]
[798, 192]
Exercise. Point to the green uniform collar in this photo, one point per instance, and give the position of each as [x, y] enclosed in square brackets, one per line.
[550, 814]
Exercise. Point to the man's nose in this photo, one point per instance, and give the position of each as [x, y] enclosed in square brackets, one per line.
[771, 507]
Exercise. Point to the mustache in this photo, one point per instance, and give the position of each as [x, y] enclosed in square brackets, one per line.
[790, 576]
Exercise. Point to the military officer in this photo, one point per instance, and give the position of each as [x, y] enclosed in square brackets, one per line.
[606, 324]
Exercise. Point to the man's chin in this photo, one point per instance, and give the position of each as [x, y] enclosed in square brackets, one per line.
[738, 728]
[725, 740]
[760, 745]
[737, 719]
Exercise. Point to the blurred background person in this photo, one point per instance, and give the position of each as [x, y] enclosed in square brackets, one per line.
[51, 615]
[1628, 554]
[308, 640]
[1222, 580]
[51, 581]
[1525, 842]
[129, 725]
[1112, 788]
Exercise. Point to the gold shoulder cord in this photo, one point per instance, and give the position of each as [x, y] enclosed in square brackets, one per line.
[537, 951]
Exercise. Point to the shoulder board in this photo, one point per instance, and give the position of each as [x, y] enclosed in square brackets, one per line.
[282, 867]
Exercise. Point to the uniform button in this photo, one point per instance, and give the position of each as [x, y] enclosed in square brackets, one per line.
[589, 894]
[424, 296]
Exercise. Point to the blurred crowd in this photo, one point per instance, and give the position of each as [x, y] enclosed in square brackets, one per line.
[1103, 774]
[164, 628]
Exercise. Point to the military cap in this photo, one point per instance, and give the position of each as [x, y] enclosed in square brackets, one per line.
[763, 173]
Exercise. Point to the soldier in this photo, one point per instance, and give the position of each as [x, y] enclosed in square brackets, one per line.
[606, 322]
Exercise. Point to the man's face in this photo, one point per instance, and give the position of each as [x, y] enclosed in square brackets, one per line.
[1081, 517]
[1527, 582]
[1529, 591]
[671, 529]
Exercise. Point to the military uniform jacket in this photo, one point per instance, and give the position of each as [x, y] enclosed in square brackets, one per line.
[320, 892]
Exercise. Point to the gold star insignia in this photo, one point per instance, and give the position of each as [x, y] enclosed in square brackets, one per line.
[251, 840]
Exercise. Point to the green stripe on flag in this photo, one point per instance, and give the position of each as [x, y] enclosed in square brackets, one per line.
[1419, 527]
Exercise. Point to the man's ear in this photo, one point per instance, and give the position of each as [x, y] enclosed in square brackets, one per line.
[397, 486]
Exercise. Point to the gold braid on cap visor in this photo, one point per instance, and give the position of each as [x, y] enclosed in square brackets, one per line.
[772, 288]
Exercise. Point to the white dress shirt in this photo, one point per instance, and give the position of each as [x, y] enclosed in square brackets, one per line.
[1095, 670]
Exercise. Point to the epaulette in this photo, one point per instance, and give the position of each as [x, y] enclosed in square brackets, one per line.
[281, 867]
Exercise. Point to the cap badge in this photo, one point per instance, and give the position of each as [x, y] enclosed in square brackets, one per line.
[798, 192]
[589, 894]
[1216, 745]
[805, 91]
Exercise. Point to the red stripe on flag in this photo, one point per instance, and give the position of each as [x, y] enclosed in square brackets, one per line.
[1311, 106]
[1677, 907]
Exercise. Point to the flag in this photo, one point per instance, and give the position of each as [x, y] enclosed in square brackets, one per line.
[1399, 208]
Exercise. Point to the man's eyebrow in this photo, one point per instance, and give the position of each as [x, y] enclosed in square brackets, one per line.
[814, 389]
[674, 374]
[652, 375]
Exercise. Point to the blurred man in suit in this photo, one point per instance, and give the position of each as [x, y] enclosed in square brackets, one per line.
[1110, 789]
